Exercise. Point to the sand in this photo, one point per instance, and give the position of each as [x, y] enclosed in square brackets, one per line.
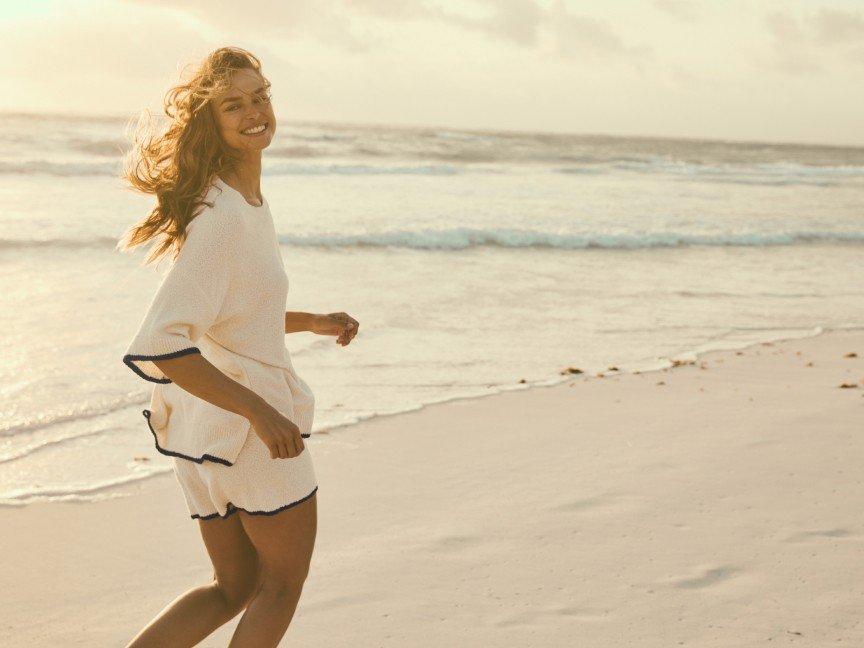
[720, 508]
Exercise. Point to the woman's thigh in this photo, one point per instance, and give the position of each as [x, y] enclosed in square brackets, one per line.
[284, 541]
[235, 560]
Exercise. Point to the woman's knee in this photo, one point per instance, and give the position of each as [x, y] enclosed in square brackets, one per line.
[238, 591]
[283, 586]
[284, 577]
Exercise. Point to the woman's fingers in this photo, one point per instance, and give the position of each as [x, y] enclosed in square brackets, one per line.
[346, 327]
[281, 436]
[286, 449]
[289, 445]
[293, 447]
[348, 332]
[276, 449]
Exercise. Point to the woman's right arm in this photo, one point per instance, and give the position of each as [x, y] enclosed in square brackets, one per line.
[198, 376]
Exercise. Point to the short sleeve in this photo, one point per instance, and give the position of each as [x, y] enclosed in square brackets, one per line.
[189, 299]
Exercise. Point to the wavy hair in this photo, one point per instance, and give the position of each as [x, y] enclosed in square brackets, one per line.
[177, 161]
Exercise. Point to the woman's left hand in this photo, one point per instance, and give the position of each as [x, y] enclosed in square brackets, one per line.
[340, 324]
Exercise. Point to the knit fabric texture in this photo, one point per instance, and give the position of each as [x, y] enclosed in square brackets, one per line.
[256, 483]
[223, 297]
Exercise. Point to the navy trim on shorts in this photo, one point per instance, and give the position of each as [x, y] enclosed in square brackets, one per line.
[171, 453]
[233, 509]
[128, 361]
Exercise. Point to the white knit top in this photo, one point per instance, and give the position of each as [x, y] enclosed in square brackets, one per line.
[224, 297]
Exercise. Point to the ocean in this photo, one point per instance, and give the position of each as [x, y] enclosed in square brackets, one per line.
[474, 261]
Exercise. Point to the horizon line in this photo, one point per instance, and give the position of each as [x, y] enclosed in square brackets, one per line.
[419, 126]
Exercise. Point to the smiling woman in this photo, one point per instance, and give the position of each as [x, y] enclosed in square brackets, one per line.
[227, 404]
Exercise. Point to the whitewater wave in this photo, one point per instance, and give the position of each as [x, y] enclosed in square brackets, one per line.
[772, 175]
[99, 242]
[369, 160]
[105, 489]
[460, 238]
[64, 169]
[93, 412]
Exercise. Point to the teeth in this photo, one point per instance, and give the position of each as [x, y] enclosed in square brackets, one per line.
[256, 129]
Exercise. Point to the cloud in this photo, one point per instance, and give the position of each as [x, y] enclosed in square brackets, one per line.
[579, 35]
[517, 21]
[685, 10]
[350, 24]
[322, 20]
[802, 45]
[793, 53]
[834, 26]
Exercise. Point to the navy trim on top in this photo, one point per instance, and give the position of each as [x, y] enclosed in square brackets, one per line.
[128, 361]
[233, 509]
[171, 453]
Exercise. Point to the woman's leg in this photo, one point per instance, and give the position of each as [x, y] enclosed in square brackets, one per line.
[192, 616]
[284, 542]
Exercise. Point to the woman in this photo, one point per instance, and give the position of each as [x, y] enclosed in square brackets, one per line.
[227, 405]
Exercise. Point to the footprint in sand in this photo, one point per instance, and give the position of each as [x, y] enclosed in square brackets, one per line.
[707, 578]
[552, 616]
[802, 536]
[455, 543]
[342, 601]
[585, 503]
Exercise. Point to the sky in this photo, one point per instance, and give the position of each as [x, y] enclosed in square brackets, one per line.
[763, 70]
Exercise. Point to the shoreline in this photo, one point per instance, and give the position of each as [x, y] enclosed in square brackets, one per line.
[709, 506]
[689, 357]
[131, 485]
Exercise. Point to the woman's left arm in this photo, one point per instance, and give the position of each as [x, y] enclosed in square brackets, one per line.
[296, 321]
[339, 324]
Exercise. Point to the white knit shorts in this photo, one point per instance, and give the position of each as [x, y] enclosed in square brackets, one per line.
[255, 483]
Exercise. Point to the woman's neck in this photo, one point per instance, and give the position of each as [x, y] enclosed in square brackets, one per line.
[246, 178]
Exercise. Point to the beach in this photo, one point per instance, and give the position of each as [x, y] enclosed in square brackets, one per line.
[715, 503]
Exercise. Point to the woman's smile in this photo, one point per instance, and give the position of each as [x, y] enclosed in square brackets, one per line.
[254, 131]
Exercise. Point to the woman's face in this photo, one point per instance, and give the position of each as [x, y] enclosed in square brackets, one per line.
[245, 105]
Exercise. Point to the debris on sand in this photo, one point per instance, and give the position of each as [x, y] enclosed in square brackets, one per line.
[678, 363]
[570, 370]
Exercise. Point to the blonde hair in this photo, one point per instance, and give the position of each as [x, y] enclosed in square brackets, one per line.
[176, 163]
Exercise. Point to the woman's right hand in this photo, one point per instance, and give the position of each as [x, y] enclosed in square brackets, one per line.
[278, 433]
